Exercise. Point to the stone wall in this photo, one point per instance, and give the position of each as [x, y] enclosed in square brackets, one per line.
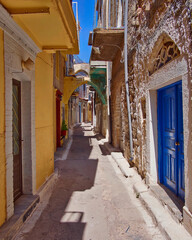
[104, 120]
[98, 117]
[119, 115]
[101, 118]
[159, 54]
[149, 27]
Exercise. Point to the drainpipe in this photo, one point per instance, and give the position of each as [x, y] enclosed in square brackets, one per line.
[126, 79]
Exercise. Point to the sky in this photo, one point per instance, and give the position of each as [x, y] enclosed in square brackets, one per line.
[86, 20]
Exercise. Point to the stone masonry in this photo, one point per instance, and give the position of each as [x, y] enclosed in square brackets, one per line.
[159, 54]
[166, 21]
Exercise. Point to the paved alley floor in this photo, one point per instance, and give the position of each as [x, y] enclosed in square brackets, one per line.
[91, 200]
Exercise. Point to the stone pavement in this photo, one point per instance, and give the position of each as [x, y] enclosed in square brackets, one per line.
[91, 200]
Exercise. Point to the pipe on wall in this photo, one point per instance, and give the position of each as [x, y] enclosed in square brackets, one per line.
[126, 79]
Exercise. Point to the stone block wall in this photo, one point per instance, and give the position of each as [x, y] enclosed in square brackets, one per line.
[159, 54]
[98, 118]
[104, 120]
[119, 114]
[149, 27]
[101, 119]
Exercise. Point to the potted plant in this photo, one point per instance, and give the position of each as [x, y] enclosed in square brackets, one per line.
[63, 128]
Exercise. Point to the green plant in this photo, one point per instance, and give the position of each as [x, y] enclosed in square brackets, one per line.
[64, 126]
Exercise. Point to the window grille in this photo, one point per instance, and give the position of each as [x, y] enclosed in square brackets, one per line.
[168, 52]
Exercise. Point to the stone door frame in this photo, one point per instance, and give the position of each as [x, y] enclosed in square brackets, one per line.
[172, 72]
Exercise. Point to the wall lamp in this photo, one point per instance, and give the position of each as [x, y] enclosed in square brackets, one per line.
[98, 49]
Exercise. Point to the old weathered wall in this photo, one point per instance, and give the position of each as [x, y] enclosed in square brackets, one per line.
[147, 32]
[98, 117]
[159, 54]
[101, 117]
[164, 26]
[104, 120]
[164, 22]
[120, 129]
[54, 120]
[2, 134]
[116, 85]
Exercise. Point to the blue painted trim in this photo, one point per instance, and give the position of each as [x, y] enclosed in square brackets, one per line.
[160, 132]
[168, 86]
[159, 127]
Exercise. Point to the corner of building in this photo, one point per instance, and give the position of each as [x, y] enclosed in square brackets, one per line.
[2, 134]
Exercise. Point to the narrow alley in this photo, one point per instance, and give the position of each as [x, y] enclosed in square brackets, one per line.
[91, 199]
[95, 120]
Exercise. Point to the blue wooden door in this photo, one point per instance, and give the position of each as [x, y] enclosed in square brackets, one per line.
[170, 133]
[180, 144]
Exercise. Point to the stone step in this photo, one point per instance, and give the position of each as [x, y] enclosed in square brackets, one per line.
[165, 221]
[169, 200]
[24, 206]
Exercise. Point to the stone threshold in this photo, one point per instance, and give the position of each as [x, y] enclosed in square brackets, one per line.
[169, 200]
[164, 219]
[24, 206]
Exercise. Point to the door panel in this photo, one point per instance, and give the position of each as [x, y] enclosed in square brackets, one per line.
[16, 125]
[169, 135]
[180, 147]
[170, 117]
[58, 122]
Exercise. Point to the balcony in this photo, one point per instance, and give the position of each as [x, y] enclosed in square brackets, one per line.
[106, 43]
[50, 24]
[108, 34]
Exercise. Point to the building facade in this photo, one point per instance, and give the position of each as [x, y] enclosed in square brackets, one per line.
[27, 94]
[158, 97]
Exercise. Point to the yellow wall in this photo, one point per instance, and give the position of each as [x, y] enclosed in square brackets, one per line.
[44, 117]
[89, 113]
[66, 118]
[54, 120]
[70, 84]
[2, 135]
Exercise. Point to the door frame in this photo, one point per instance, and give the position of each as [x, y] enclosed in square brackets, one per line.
[58, 118]
[160, 138]
[18, 83]
[172, 72]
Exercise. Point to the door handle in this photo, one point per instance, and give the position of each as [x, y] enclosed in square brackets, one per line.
[20, 140]
[177, 143]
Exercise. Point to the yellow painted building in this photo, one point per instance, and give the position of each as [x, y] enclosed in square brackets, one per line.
[2, 134]
[70, 84]
[44, 117]
[30, 31]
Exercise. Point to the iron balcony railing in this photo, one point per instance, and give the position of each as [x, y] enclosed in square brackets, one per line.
[109, 14]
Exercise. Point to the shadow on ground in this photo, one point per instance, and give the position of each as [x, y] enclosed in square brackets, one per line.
[77, 173]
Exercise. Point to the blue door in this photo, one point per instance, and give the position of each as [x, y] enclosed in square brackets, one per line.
[170, 142]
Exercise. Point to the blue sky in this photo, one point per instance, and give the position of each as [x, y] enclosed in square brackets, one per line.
[86, 19]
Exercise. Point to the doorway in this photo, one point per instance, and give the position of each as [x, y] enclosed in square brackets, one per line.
[170, 138]
[58, 118]
[84, 114]
[16, 128]
[80, 113]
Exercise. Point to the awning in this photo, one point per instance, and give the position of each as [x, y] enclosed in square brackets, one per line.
[106, 43]
[50, 23]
